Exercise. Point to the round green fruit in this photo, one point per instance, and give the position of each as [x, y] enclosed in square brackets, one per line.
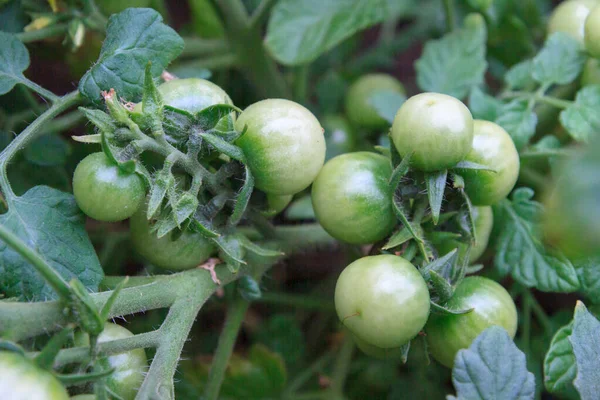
[283, 144]
[104, 192]
[174, 251]
[352, 198]
[494, 148]
[592, 32]
[591, 72]
[435, 128]
[394, 353]
[340, 137]
[569, 17]
[383, 300]
[358, 108]
[491, 304]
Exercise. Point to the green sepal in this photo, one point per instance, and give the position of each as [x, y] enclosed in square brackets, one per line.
[100, 119]
[405, 350]
[93, 138]
[242, 199]
[258, 250]
[105, 312]
[115, 108]
[152, 103]
[7, 345]
[125, 166]
[438, 309]
[46, 358]
[87, 314]
[231, 251]
[400, 237]
[184, 208]
[436, 184]
[224, 147]
[203, 227]
[158, 190]
[442, 266]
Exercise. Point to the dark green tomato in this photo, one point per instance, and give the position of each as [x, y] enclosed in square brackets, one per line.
[130, 367]
[383, 300]
[591, 72]
[484, 221]
[494, 148]
[592, 32]
[283, 143]
[569, 17]
[340, 138]
[21, 379]
[437, 129]
[358, 108]
[352, 198]
[491, 304]
[394, 353]
[104, 192]
[174, 251]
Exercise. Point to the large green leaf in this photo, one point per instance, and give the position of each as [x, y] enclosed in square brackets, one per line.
[134, 37]
[519, 120]
[299, 31]
[581, 119]
[50, 222]
[559, 62]
[585, 340]
[14, 59]
[484, 106]
[559, 364]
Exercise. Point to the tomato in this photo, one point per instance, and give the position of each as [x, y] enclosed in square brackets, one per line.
[569, 17]
[277, 203]
[187, 250]
[129, 366]
[484, 221]
[358, 108]
[437, 129]
[383, 300]
[491, 304]
[394, 353]
[494, 148]
[352, 198]
[591, 72]
[104, 192]
[21, 379]
[592, 32]
[283, 143]
[340, 137]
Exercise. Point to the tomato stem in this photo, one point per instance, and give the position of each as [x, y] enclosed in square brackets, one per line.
[341, 368]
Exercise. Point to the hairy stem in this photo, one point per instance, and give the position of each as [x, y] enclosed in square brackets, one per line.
[449, 12]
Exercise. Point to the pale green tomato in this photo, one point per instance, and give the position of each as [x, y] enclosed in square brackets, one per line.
[352, 198]
[283, 144]
[277, 203]
[437, 129]
[591, 72]
[129, 366]
[491, 304]
[394, 353]
[383, 300]
[358, 109]
[494, 148]
[592, 32]
[21, 379]
[569, 17]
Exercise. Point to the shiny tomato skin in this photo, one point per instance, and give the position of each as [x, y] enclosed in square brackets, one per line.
[569, 17]
[592, 32]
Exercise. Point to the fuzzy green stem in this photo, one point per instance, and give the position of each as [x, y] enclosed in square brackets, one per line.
[40, 90]
[449, 12]
[553, 101]
[341, 368]
[233, 322]
[539, 312]
[40, 34]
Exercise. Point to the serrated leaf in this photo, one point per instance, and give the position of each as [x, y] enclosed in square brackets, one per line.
[14, 59]
[581, 119]
[93, 138]
[492, 368]
[588, 271]
[585, 340]
[158, 190]
[436, 185]
[455, 63]
[248, 288]
[299, 31]
[134, 37]
[519, 250]
[519, 76]
[559, 364]
[386, 103]
[560, 61]
[519, 121]
[484, 106]
[50, 222]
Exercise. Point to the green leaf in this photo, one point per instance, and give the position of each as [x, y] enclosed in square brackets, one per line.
[484, 106]
[100, 119]
[231, 251]
[299, 31]
[243, 198]
[400, 237]
[436, 184]
[47, 151]
[519, 250]
[134, 37]
[560, 61]
[443, 265]
[559, 364]
[282, 334]
[14, 59]
[185, 206]
[519, 120]
[588, 271]
[386, 103]
[455, 63]
[50, 222]
[581, 119]
[519, 76]
[585, 340]
[248, 288]
[492, 368]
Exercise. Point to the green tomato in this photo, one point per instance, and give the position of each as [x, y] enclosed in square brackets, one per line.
[283, 144]
[104, 192]
[174, 251]
[491, 304]
[21, 379]
[383, 300]
[394, 353]
[352, 198]
[358, 108]
[129, 366]
[569, 17]
[494, 148]
[592, 32]
[591, 72]
[277, 204]
[437, 129]
[340, 137]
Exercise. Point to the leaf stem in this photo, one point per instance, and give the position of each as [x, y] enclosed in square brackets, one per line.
[449, 12]
[233, 322]
[261, 13]
[546, 153]
[40, 34]
[539, 312]
[40, 90]
[554, 101]
[341, 368]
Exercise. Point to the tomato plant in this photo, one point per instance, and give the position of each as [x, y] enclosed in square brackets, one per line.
[299, 199]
